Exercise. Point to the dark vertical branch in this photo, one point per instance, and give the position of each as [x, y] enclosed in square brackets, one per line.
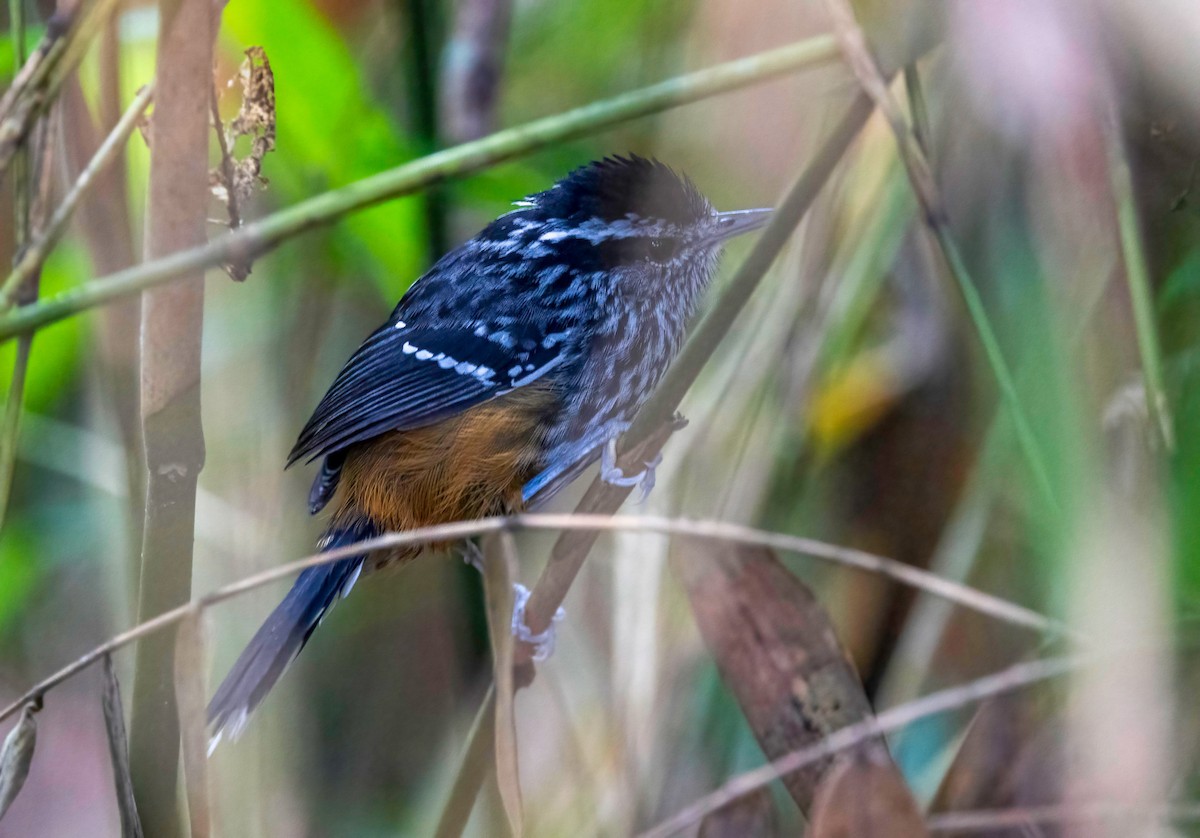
[420, 71]
[172, 320]
[472, 68]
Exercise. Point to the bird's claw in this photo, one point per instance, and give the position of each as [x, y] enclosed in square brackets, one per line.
[472, 555]
[542, 642]
[611, 473]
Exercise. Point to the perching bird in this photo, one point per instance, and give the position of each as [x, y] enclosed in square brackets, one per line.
[503, 373]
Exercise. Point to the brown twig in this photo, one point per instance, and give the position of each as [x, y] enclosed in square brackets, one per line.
[1015, 677]
[472, 768]
[227, 174]
[499, 571]
[581, 523]
[190, 693]
[655, 422]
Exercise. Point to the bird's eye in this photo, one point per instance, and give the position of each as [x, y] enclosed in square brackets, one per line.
[662, 249]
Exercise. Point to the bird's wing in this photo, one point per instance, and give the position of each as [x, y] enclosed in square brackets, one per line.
[404, 377]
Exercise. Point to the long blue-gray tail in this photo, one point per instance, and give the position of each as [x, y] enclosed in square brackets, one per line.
[283, 635]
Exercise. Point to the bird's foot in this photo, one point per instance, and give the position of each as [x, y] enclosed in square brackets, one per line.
[542, 642]
[471, 554]
[611, 473]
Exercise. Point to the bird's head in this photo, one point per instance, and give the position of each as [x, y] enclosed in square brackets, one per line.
[631, 221]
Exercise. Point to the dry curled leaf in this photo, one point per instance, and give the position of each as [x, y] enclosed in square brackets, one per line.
[776, 651]
[255, 120]
[17, 755]
[245, 142]
[118, 751]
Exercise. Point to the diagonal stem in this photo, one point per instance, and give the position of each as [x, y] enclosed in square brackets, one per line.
[858, 57]
[260, 236]
[959, 593]
[34, 256]
[1004, 681]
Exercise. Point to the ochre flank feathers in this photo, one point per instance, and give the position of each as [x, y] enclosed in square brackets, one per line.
[468, 466]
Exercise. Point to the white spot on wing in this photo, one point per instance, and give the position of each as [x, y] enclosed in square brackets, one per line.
[400, 324]
[539, 372]
[408, 348]
[424, 354]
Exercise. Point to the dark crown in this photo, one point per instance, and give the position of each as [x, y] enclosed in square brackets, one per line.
[616, 187]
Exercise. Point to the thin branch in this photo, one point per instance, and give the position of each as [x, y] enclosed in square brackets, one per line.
[34, 256]
[266, 233]
[458, 530]
[16, 29]
[36, 83]
[33, 222]
[708, 335]
[1137, 277]
[231, 201]
[421, 20]
[190, 693]
[1007, 680]
[471, 769]
[858, 56]
[657, 420]
[499, 571]
[918, 108]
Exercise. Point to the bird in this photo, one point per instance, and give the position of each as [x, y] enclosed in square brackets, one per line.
[506, 370]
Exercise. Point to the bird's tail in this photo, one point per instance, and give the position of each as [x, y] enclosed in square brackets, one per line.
[283, 635]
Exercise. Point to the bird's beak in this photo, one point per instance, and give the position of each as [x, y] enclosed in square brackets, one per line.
[730, 224]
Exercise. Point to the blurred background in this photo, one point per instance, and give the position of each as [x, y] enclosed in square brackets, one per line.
[851, 403]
